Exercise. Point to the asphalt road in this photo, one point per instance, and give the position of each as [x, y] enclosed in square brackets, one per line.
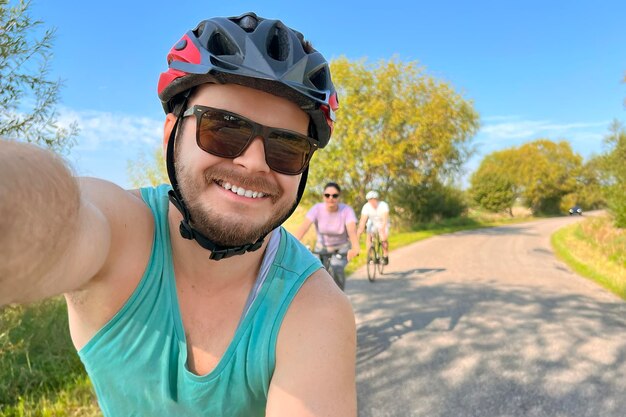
[488, 323]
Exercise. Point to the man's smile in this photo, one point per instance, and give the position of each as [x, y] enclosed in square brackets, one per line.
[240, 190]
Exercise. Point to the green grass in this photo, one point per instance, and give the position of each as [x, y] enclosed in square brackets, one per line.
[596, 250]
[40, 372]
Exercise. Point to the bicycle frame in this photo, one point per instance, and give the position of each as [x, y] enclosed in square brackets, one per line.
[374, 256]
[337, 269]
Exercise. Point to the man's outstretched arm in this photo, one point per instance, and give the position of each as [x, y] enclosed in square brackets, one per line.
[51, 240]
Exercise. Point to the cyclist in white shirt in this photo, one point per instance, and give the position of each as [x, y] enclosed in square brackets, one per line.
[375, 217]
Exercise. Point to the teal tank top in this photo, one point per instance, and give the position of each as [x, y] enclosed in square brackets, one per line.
[137, 361]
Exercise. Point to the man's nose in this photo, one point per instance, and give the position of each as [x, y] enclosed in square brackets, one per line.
[253, 157]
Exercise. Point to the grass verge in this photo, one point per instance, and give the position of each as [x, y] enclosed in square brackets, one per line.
[596, 250]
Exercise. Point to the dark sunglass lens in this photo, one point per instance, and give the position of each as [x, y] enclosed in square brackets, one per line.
[287, 152]
[331, 195]
[223, 134]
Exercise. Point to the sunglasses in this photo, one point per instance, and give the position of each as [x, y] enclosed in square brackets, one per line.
[227, 135]
[331, 195]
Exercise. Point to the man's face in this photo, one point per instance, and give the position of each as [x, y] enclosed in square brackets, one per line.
[236, 201]
[373, 202]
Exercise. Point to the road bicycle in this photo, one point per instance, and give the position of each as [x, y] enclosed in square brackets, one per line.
[334, 262]
[375, 257]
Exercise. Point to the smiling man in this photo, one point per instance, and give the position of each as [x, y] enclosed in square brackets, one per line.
[190, 299]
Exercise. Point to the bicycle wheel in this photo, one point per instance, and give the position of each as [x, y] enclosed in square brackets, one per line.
[371, 264]
[381, 264]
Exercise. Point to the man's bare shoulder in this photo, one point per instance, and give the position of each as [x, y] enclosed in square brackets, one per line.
[320, 295]
[321, 312]
[316, 354]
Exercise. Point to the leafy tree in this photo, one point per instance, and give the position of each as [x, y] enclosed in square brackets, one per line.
[589, 193]
[145, 172]
[615, 173]
[27, 96]
[396, 126]
[541, 173]
[492, 186]
[547, 171]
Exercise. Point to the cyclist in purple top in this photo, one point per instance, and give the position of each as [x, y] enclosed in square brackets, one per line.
[335, 223]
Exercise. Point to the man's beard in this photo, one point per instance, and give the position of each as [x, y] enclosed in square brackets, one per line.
[227, 229]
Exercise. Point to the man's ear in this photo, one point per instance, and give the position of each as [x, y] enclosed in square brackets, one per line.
[170, 121]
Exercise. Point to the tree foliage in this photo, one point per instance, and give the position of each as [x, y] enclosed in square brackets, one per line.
[426, 202]
[493, 186]
[27, 97]
[614, 164]
[588, 194]
[547, 171]
[148, 172]
[396, 127]
[540, 173]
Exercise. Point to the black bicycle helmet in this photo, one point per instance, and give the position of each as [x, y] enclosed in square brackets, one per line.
[254, 52]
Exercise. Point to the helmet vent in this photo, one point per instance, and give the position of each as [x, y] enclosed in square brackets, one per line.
[319, 78]
[199, 29]
[248, 22]
[220, 45]
[278, 43]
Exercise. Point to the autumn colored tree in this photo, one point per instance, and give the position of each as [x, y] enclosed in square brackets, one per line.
[540, 173]
[396, 126]
[547, 171]
[148, 171]
[28, 97]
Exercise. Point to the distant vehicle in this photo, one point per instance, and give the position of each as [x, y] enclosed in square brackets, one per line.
[576, 210]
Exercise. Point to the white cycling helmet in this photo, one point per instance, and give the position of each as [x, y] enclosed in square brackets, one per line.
[371, 194]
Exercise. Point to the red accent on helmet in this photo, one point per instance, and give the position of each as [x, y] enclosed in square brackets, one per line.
[189, 53]
[166, 78]
[329, 120]
[328, 110]
[332, 100]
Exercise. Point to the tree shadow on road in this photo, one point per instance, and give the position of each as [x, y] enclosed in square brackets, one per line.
[482, 349]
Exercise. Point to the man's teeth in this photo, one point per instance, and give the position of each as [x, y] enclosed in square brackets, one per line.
[242, 191]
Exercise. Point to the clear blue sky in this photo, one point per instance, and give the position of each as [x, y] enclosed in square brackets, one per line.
[533, 69]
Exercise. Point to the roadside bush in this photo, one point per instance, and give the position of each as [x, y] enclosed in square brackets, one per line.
[428, 202]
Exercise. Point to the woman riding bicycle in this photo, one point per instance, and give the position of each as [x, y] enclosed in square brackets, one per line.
[335, 225]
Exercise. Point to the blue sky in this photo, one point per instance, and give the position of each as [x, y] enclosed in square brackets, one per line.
[549, 69]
